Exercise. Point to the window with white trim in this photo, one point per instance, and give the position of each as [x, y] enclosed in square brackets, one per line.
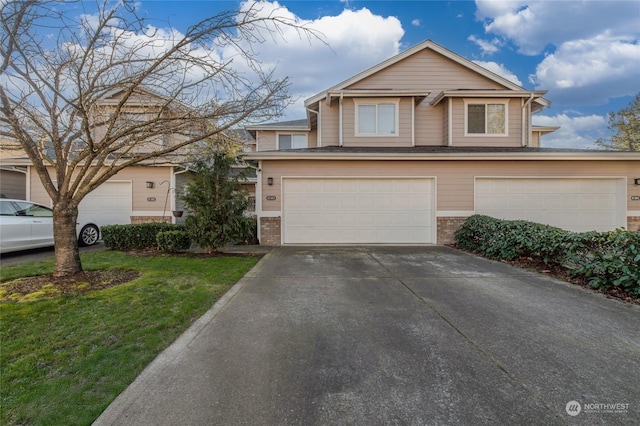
[376, 118]
[485, 118]
[292, 141]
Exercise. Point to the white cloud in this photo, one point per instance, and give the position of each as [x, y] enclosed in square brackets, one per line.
[575, 132]
[355, 40]
[532, 25]
[591, 71]
[487, 47]
[415, 22]
[500, 69]
[592, 47]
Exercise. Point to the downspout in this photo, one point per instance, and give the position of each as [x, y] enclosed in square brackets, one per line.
[340, 119]
[319, 132]
[413, 121]
[259, 197]
[527, 104]
[450, 121]
[27, 190]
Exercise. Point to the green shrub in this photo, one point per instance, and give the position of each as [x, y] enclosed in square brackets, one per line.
[216, 200]
[173, 241]
[605, 259]
[138, 236]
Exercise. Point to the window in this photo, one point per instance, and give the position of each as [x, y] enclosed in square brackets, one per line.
[30, 209]
[377, 119]
[292, 141]
[486, 119]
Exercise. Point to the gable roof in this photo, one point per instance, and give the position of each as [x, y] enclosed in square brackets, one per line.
[427, 44]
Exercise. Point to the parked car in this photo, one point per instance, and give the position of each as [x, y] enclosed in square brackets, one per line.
[26, 225]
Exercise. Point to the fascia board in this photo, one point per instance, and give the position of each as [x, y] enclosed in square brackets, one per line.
[504, 156]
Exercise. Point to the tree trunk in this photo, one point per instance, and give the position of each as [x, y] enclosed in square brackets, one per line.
[66, 240]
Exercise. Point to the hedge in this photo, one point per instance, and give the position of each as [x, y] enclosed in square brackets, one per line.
[605, 259]
[132, 237]
[173, 241]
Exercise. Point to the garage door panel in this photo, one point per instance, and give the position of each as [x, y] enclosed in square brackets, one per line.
[109, 204]
[576, 204]
[358, 211]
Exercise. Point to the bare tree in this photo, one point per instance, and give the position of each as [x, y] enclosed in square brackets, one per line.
[58, 71]
[626, 127]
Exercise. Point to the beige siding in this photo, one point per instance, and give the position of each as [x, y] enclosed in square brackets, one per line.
[454, 179]
[330, 124]
[268, 139]
[535, 139]
[430, 72]
[138, 176]
[426, 70]
[445, 122]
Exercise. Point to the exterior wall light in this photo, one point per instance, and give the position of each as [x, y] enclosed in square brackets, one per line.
[149, 184]
[636, 181]
[270, 181]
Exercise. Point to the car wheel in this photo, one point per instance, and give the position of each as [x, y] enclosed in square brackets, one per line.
[89, 235]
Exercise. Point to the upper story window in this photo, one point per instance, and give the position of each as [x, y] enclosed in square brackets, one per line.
[292, 141]
[485, 118]
[377, 118]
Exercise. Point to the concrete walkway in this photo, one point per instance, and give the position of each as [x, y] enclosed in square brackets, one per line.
[389, 335]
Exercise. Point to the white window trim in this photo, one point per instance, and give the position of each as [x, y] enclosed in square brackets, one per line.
[468, 102]
[306, 135]
[376, 102]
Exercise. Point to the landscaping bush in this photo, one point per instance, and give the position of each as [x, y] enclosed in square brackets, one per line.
[605, 259]
[173, 241]
[135, 237]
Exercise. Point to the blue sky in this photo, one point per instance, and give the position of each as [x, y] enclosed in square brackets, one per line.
[585, 53]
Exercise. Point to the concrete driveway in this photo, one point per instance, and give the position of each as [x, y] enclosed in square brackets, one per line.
[390, 335]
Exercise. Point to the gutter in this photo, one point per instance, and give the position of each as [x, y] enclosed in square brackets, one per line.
[447, 156]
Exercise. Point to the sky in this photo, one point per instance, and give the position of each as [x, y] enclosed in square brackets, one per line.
[585, 53]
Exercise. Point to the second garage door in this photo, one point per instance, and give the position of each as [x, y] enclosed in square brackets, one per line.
[576, 204]
[109, 204]
[358, 210]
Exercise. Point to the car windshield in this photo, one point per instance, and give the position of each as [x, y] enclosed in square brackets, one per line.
[25, 209]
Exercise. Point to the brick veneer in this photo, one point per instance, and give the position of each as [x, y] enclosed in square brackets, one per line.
[270, 231]
[447, 226]
[149, 219]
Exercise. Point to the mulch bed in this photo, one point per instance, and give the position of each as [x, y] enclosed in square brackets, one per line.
[83, 282]
[88, 281]
[561, 273]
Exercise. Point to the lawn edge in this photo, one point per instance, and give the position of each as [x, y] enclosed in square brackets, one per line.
[123, 401]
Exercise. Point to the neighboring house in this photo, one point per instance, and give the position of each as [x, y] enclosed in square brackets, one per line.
[405, 151]
[137, 194]
[13, 178]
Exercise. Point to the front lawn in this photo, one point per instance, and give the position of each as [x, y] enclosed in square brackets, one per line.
[64, 358]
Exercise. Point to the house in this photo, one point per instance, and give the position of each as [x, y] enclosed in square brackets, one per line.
[142, 193]
[405, 151]
[146, 192]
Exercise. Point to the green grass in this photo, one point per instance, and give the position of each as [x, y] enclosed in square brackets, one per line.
[64, 359]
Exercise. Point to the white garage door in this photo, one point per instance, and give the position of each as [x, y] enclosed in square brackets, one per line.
[576, 204]
[109, 204]
[358, 211]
